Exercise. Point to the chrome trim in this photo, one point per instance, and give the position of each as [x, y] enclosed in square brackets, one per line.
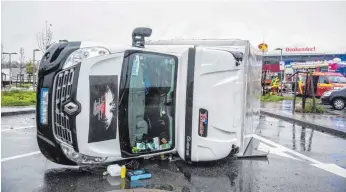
[71, 108]
[62, 90]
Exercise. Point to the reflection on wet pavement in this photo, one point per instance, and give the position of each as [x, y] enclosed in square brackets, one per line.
[225, 175]
[313, 143]
[332, 118]
[175, 176]
[285, 105]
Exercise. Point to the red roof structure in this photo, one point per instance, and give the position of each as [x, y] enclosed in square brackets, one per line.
[275, 68]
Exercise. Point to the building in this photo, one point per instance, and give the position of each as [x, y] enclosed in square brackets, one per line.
[275, 58]
[302, 55]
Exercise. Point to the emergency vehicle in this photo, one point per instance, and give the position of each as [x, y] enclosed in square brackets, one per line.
[323, 81]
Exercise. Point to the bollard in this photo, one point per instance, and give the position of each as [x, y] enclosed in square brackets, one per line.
[313, 94]
[295, 93]
[304, 91]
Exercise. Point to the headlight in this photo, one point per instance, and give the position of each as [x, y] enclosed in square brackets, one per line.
[80, 158]
[327, 93]
[84, 53]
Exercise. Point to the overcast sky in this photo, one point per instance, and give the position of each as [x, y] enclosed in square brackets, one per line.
[281, 24]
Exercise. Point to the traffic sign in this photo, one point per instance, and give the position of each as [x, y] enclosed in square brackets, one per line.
[263, 47]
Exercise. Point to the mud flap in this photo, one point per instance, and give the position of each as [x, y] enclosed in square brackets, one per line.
[252, 152]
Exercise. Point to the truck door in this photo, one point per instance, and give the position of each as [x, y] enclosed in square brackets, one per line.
[322, 85]
[214, 98]
[315, 79]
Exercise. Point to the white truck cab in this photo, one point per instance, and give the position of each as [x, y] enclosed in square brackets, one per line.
[197, 98]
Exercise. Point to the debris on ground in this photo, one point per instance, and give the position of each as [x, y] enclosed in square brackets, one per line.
[138, 175]
[123, 172]
[114, 170]
[133, 165]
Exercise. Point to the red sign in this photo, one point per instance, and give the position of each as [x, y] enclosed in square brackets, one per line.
[274, 68]
[300, 49]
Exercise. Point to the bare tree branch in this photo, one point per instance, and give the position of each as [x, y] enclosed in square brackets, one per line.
[39, 41]
[44, 38]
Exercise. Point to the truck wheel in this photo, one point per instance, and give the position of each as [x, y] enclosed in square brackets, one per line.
[339, 104]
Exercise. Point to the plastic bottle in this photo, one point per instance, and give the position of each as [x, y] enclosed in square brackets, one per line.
[123, 171]
[114, 170]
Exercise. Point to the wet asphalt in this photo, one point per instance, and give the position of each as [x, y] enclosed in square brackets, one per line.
[272, 173]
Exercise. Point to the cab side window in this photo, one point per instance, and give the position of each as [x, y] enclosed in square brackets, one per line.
[323, 79]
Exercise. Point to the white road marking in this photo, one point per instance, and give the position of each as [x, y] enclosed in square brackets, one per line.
[285, 149]
[20, 156]
[332, 168]
[27, 127]
[277, 151]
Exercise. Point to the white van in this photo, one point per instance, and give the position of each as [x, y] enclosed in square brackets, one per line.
[197, 98]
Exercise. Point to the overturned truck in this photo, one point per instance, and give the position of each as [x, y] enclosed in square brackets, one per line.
[199, 99]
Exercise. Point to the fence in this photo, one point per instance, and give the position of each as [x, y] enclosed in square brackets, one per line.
[305, 90]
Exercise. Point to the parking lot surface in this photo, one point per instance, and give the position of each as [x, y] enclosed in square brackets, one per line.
[299, 159]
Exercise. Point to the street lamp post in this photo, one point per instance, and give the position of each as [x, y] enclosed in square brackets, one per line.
[9, 60]
[34, 66]
[283, 70]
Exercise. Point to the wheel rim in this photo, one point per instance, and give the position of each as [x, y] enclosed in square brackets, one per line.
[339, 104]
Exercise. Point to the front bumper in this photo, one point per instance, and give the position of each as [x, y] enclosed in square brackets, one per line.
[325, 100]
[50, 67]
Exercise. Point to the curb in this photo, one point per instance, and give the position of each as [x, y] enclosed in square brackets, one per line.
[302, 122]
[12, 113]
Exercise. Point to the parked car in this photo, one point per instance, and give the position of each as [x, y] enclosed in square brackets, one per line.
[336, 98]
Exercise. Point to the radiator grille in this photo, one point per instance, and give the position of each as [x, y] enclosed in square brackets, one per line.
[62, 91]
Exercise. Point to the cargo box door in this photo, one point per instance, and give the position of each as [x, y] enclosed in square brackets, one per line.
[213, 104]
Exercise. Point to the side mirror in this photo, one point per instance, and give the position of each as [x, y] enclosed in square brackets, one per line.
[138, 35]
[142, 31]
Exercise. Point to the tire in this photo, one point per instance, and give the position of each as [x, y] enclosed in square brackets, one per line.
[339, 104]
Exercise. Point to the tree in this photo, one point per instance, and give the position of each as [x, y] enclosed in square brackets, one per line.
[21, 60]
[30, 68]
[44, 38]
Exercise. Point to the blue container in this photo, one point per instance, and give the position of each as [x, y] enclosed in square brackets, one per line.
[138, 175]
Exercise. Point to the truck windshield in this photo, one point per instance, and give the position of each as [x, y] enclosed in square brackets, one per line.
[337, 79]
[151, 101]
